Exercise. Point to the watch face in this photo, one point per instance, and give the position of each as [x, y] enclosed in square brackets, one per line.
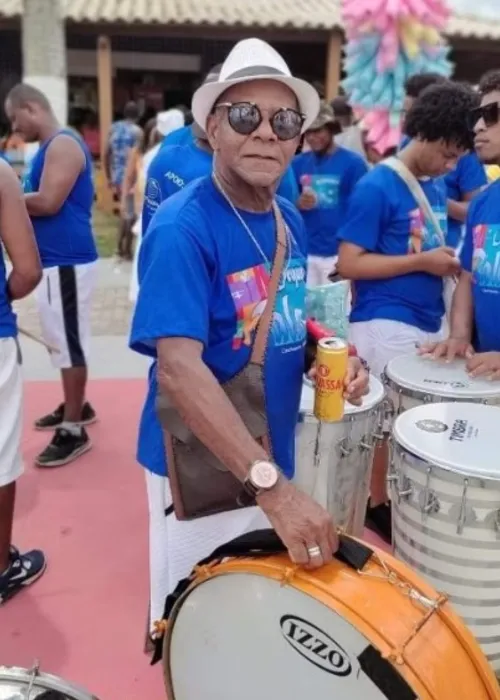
[264, 475]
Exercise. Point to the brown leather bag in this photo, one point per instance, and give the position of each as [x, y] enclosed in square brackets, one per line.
[201, 485]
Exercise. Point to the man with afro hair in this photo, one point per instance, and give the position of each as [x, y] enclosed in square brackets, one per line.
[393, 253]
[465, 180]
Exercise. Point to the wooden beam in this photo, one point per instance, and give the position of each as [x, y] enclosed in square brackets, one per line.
[105, 89]
[333, 65]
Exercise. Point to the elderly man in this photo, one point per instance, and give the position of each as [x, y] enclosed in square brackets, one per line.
[205, 277]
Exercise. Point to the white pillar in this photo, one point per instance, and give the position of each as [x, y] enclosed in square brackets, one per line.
[44, 52]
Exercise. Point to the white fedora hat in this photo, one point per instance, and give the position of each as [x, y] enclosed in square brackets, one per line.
[254, 59]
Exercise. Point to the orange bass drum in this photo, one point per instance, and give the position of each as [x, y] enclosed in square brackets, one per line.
[257, 627]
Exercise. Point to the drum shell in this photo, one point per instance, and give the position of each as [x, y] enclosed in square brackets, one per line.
[446, 526]
[14, 679]
[438, 658]
[334, 460]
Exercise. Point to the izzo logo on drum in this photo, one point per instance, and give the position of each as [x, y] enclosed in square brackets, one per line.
[315, 645]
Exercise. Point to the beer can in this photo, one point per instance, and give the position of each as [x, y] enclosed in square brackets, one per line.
[331, 368]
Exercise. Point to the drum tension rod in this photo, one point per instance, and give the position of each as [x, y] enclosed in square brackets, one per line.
[394, 579]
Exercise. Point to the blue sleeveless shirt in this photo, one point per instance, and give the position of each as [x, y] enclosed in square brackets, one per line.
[65, 238]
[8, 325]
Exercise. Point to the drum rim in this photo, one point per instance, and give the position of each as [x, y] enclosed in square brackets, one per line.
[18, 673]
[403, 386]
[436, 462]
[354, 411]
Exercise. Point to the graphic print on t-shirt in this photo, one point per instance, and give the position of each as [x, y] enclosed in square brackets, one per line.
[486, 255]
[423, 235]
[249, 292]
[326, 188]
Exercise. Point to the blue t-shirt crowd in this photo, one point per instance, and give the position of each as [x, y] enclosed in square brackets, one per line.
[207, 280]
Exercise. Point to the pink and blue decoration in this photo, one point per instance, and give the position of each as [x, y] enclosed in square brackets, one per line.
[388, 41]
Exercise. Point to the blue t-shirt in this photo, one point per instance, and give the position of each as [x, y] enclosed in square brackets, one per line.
[64, 238]
[8, 325]
[383, 217]
[180, 137]
[481, 257]
[468, 175]
[332, 178]
[174, 167]
[202, 277]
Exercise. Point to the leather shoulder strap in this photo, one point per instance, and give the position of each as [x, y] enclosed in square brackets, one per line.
[262, 334]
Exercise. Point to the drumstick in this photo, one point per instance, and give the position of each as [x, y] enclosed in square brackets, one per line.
[37, 339]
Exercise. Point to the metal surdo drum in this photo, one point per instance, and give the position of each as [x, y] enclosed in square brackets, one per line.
[445, 490]
[334, 460]
[412, 380]
[32, 684]
[249, 627]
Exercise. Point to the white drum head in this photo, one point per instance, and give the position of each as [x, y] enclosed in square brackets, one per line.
[374, 397]
[440, 378]
[244, 636]
[459, 437]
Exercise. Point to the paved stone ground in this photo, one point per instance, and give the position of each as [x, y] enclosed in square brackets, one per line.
[111, 308]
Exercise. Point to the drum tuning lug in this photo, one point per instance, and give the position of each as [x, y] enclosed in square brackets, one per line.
[344, 448]
[391, 478]
[429, 503]
[493, 520]
[366, 446]
[404, 488]
[405, 493]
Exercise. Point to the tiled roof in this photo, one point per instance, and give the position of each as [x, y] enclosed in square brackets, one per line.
[293, 14]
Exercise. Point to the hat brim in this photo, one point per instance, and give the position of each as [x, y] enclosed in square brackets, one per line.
[207, 95]
[321, 123]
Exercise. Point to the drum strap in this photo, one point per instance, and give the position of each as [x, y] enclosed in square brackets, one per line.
[261, 543]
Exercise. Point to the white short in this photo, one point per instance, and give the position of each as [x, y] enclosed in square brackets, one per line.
[380, 340]
[318, 270]
[64, 303]
[175, 546]
[11, 405]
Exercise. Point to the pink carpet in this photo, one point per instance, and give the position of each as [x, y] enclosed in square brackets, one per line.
[85, 619]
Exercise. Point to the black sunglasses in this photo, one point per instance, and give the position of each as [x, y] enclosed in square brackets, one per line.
[489, 113]
[246, 117]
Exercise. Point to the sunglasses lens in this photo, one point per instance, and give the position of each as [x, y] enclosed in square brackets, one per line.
[244, 117]
[287, 124]
[490, 114]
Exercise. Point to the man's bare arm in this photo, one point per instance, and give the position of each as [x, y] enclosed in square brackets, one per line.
[462, 309]
[64, 161]
[17, 235]
[204, 406]
[355, 263]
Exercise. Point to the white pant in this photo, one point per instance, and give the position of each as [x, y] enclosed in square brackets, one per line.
[380, 340]
[319, 268]
[64, 299]
[175, 546]
[11, 405]
[134, 277]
